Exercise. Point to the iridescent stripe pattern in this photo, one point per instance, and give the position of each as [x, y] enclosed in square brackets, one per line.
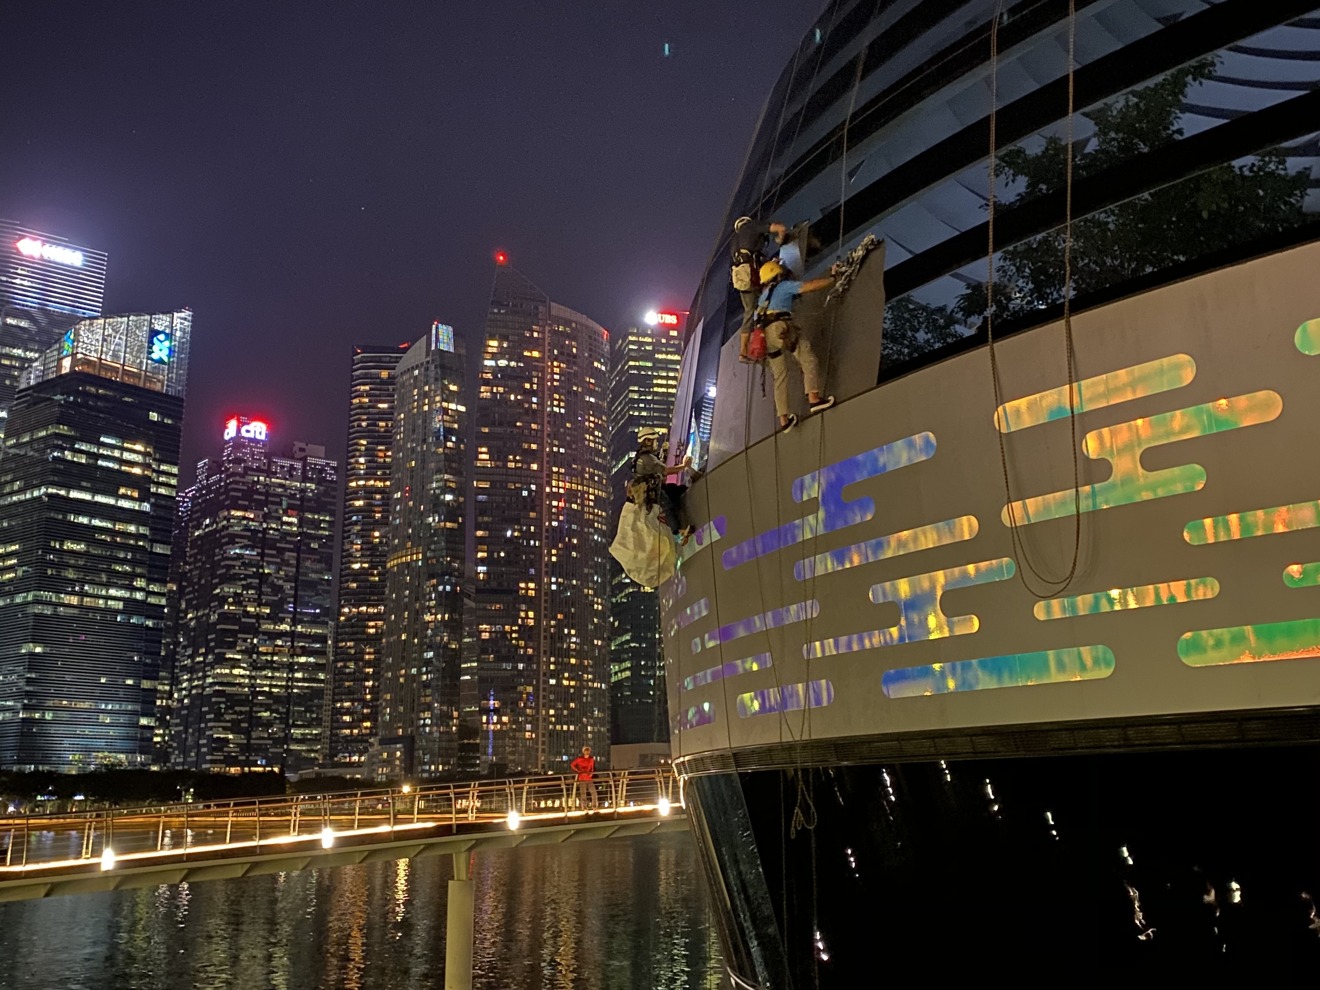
[1302, 575]
[1308, 337]
[1098, 392]
[694, 716]
[835, 511]
[1253, 522]
[689, 615]
[776, 617]
[1123, 446]
[1119, 599]
[895, 545]
[789, 698]
[1082, 663]
[704, 537]
[1293, 640]
[920, 613]
[732, 668]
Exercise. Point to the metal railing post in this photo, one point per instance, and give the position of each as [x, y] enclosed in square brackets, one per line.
[357, 809]
[417, 803]
[160, 832]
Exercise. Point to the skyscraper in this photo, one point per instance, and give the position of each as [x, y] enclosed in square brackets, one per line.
[643, 381]
[540, 519]
[254, 619]
[425, 571]
[355, 674]
[88, 477]
[46, 285]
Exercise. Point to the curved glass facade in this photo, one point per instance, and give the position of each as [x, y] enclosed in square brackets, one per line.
[1194, 141]
[848, 850]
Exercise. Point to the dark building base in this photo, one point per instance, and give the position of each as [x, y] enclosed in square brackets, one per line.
[1201, 861]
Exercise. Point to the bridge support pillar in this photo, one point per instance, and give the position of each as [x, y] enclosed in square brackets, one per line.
[458, 928]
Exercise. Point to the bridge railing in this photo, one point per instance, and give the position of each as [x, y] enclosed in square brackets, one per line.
[213, 827]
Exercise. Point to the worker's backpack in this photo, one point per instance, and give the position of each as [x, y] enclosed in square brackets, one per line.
[743, 273]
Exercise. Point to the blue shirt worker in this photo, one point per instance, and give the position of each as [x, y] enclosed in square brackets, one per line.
[748, 246]
[783, 338]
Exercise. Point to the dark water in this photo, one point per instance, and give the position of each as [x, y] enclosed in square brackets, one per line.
[612, 914]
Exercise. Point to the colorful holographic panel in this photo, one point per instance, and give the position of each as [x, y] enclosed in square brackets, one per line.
[1074, 663]
[1292, 640]
[689, 615]
[788, 698]
[835, 512]
[710, 533]
[695, 716]
[1120, 599]
[1302, 575]
[1308, 337]
[1109, 389]
[731, 669]
[895, 545]
[1123, 446]
[1256, 522]
[920, 615]
[773, 619]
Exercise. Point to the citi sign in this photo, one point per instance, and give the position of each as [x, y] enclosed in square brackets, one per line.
[32, 247]
[252, 430]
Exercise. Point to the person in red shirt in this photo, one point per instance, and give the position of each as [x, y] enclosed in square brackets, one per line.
[585, 768]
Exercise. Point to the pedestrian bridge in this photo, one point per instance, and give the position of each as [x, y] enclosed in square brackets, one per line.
[96, 850]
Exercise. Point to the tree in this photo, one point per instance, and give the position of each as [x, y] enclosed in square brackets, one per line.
[1214, 209]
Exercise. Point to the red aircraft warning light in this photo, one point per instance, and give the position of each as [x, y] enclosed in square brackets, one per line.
[501, 258]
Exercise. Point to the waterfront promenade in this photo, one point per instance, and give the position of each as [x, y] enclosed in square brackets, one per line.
[97, 850]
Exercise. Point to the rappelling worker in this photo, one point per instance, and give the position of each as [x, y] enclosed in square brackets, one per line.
[749, 253]
[783, 337]
[650, 481]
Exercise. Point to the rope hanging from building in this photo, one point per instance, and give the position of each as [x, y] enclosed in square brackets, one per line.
[1019, 544]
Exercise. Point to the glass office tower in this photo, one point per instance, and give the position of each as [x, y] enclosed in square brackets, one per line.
[256, 551]
[643, 379]
[355, 676]
[88, 477]
[46, 285]
[425, 569]
[540, 523]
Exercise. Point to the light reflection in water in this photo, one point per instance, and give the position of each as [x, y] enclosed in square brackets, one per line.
[600, 915]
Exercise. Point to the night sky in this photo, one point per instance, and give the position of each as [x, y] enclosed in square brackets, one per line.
[306, 176]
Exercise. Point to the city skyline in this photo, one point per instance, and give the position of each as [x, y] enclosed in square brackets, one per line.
[401, 168]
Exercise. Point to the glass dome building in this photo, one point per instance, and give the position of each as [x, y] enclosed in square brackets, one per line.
[1011, 656]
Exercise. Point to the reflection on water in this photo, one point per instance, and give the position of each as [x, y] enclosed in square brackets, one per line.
[613, 914]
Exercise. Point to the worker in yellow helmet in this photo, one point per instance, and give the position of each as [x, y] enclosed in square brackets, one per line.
[774, 314]
[749, 248]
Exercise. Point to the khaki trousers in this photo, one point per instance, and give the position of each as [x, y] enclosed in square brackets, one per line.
[806, 358]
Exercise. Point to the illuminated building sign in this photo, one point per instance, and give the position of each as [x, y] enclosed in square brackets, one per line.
[251, 429]
[663, 319]
[161, 348]
[32, 247]
[442, 337]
